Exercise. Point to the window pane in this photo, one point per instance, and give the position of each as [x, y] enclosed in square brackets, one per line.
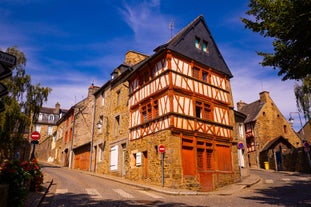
[197, 42]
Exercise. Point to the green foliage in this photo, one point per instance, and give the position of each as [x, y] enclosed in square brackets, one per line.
[22, 106]
[21, 177]
[303, 96]
[288, 22]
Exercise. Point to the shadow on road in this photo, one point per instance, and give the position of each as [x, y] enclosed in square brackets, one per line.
[294, 194]
[43, 165]
[76, 200]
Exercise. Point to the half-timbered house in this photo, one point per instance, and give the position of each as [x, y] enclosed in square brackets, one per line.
[180, 99]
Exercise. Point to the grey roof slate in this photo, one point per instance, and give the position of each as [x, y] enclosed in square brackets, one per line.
[183, 43]
[252, 110]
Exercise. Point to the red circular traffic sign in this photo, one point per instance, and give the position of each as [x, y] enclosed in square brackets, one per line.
[35, 135]
[161, 148]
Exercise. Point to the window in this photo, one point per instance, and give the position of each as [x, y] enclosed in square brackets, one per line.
[241, 130]
[196, 73]
[38, 128]
[200, 74]
[204, 47]
[51, 117]
[155, 109]
[114, 157]
[202, 110]
[118, 97]
[101, 151]
[50, 130]
[149, 111]
[40, 117]
[103, 98]
[204, 76]
[285, 129]
[117, 125]
[197, 42]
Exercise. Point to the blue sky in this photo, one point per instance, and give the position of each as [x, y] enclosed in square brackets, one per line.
[70, 44]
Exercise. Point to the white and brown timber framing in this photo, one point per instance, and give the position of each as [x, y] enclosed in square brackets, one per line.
[181, 97]
[176, 92]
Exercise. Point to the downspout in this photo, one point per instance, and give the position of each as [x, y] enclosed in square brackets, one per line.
[93, 131]
[71, 144]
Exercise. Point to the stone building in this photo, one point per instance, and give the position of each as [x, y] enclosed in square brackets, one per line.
[82, 133]
[180, 101]
[46, 125]
[267, 131]
[112, 120]
[62, 144]
[239, 137]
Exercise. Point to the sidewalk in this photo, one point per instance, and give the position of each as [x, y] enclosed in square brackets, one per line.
[35, 198]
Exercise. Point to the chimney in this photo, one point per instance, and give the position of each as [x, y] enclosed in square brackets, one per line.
[264, 96]
[240, 105]
[92, 89]
[132, 57]
[57, 108]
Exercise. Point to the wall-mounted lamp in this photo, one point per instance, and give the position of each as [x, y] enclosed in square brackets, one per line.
[99, 124]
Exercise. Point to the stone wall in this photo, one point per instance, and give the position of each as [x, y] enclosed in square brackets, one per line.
[153, 172]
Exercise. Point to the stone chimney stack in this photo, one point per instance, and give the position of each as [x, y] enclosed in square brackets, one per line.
[264, 96]
[132, 57]
[240, 105]
[57, 108]
[92, 89]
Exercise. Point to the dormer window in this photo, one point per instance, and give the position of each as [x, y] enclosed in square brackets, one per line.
[201, 45]
[204, 47]
[197, 42]
[51, 117]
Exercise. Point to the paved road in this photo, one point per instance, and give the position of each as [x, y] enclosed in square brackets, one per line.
[75, 188]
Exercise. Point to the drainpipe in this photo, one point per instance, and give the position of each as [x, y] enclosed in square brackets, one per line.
[71, 144]
[93, 131]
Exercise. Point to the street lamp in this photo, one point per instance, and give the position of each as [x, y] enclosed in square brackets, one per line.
[291, 121]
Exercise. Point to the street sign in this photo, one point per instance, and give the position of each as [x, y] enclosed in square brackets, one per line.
[161, 148]
[4, 72]
[35, 135]
[7, 58]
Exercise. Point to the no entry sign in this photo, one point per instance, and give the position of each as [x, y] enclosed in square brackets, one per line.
[35, 135]
[161, 148]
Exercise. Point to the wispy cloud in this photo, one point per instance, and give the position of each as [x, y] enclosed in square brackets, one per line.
[149, 25]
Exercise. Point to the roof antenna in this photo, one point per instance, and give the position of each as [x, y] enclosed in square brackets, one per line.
[171, 27]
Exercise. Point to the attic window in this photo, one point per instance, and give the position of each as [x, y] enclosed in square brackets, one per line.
[204, 47]
[197, 42]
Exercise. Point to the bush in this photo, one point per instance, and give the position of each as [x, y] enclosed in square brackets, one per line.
[21, 177]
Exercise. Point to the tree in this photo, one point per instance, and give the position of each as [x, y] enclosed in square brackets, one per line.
[22, 106]
[288, 22]
[303, 96]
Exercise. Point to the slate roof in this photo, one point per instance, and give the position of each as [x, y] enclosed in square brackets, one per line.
[252, 110]
[183, 43]
[271, 144]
